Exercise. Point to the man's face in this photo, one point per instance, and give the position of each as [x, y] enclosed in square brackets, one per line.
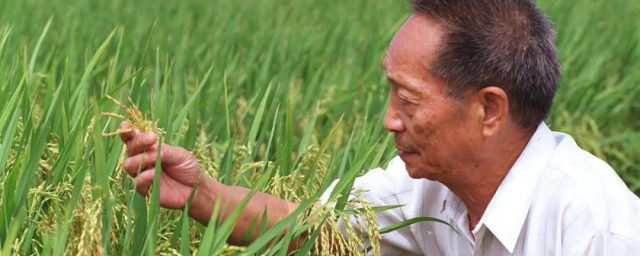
[435, 134]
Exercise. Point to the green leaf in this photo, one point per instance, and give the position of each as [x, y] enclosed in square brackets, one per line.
[410, 222]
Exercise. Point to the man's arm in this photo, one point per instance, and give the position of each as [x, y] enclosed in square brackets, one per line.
[210, 191]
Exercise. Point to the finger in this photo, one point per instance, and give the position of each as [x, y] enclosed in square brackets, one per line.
[143, 181]
[140, 162]
[172, 155]
[140, 143]
[126, 136]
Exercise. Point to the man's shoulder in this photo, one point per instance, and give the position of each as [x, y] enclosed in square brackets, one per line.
[578, 185]
[582, 174]
[576, 162]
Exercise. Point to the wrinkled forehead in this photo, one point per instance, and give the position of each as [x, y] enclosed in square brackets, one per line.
[416, 43]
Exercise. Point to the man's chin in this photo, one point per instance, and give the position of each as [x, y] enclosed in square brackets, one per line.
[411, 167]
[417, 172]
[421, 175]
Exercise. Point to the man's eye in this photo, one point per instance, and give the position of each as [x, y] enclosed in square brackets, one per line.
[406, 101]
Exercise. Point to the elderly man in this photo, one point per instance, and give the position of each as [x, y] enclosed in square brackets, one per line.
[471, 83]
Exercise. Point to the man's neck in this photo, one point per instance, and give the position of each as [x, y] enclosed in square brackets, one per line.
[477, 184]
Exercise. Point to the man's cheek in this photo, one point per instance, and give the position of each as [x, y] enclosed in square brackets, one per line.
[421, 129]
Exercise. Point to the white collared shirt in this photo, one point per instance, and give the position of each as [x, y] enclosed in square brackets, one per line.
[556, 200]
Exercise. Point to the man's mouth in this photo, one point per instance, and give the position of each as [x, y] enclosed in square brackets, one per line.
[405, 150]
[403, 147]
[407, 156]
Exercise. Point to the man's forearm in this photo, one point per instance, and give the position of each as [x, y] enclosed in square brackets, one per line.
[211, 190]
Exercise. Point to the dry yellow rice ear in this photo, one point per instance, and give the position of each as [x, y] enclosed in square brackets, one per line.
[346, 234]
[134, 116]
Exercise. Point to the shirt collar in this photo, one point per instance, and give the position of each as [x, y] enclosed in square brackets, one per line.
[507, 211]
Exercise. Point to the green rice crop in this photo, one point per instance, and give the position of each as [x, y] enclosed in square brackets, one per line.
[280, 96]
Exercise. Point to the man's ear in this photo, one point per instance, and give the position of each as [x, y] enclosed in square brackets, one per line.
[494, 104]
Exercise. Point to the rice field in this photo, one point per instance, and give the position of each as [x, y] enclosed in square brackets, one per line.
[280, 96]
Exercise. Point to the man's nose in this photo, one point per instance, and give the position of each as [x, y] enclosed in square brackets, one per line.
[392, 121]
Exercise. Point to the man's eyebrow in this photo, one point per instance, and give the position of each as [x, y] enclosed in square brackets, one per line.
[393, 80]
[405, 85]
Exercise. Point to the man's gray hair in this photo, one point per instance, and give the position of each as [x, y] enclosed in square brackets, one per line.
[505, 43]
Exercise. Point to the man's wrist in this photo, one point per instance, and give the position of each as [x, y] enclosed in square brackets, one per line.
[204, 199]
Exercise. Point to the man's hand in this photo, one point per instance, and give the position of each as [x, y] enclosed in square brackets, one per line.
[180, 174]
[180, 169]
